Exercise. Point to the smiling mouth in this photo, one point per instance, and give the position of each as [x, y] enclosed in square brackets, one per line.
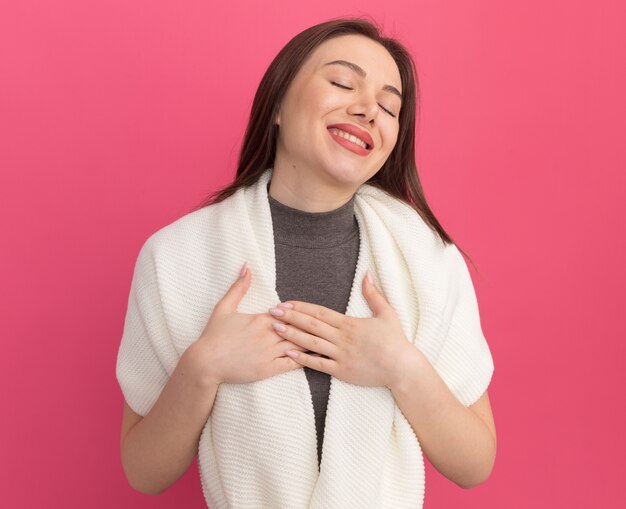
[349, 137]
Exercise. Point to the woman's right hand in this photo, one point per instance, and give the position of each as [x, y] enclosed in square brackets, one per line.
[240, 347]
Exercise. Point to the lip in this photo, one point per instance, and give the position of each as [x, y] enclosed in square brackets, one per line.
[355, 131]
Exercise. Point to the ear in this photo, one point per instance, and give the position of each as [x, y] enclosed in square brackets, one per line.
[277, 118]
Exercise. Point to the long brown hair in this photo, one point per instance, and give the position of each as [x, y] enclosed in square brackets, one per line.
[398, 176]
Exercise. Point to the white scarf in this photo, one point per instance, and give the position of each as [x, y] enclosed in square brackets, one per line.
[258, 448]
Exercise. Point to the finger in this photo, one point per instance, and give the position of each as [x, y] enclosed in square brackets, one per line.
[322, 364]
[283, 364]
[282, 346]
[236, 292]
[307, 341]
[308, 323]
[375, 299]
[322, 313]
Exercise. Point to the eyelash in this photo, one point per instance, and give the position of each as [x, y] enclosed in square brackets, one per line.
[348, 88]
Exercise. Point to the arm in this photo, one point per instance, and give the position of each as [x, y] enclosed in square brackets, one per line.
[158, 448]
[459, 441]
[233, 348]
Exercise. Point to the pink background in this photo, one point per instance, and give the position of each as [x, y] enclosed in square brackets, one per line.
[117, 117]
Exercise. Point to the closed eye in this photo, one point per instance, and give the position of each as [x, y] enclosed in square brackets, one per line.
[340, 86]
[348, 88]
[386, 110]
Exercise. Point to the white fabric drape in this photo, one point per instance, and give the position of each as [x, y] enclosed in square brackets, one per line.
[258, 448]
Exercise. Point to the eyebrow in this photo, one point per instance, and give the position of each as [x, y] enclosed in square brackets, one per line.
[362, 73]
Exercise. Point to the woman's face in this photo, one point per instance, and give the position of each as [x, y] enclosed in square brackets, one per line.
[349, 86]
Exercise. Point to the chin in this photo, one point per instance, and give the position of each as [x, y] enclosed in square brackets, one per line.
[348, 174]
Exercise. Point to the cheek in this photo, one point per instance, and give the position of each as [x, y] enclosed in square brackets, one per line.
[395, 137]
[390, 138]
[314, 103]
[329, 102]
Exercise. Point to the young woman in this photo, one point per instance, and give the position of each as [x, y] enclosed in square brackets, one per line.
[350, 341]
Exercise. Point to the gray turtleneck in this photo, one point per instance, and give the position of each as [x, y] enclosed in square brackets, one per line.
[316, 255]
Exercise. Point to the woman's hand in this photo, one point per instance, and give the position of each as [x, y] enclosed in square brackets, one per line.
[360, 351]
[238, 347]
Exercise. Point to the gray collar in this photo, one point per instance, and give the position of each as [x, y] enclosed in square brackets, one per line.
[299, 228]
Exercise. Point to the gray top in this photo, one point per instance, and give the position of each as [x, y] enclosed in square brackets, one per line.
[316, 255]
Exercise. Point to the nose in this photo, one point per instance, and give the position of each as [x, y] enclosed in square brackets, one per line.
[365, 107]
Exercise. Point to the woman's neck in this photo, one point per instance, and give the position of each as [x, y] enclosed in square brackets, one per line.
[307, 196]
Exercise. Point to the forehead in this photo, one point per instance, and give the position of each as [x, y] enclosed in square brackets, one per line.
[371, 56]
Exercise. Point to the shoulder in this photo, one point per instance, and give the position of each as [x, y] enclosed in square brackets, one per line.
[388, 206]
[187, 237]
[182, 229]
[402, 220]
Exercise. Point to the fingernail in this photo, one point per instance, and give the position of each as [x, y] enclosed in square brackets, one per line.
[293, 354]
[287, 305]
[277, 312]
[370, 279]
[279, 327]
[243, 271]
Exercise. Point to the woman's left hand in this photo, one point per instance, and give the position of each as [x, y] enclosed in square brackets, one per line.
[360, 351]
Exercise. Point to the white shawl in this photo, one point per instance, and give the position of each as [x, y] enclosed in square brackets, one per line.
[258, 448]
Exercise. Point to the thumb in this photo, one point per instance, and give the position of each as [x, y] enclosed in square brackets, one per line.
[237, 290]
[373, 296]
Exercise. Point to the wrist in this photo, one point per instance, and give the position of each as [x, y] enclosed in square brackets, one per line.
[198, 362]
[409, 363]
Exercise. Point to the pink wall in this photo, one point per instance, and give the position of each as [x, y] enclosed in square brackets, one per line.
[117, 117]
